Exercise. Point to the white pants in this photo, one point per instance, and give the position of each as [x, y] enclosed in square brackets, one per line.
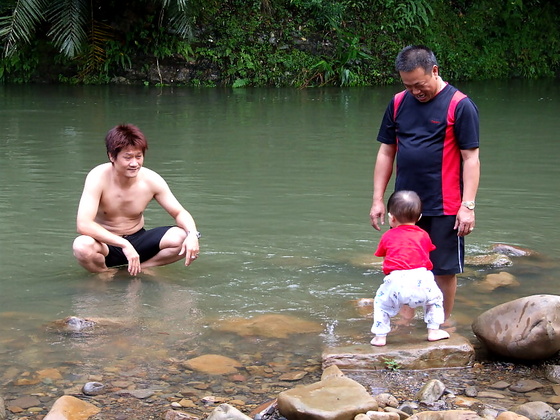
[414, 288]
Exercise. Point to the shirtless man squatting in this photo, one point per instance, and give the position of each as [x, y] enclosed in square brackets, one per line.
[110, 217]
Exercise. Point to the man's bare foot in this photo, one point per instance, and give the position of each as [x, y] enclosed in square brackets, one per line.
[379, 340]
[108, 275]
[436, 335]
[450, 325]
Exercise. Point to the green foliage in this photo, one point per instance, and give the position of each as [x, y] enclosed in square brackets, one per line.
[20, 66]
[340, 69]
[323, 12]
[492, 40]
[300, 43]
[408, 14]
[391, 364]
[19, 27]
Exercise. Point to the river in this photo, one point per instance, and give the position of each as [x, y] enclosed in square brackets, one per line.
[279, 182]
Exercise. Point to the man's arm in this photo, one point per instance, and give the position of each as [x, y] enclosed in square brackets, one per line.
[465, 221]
[381, 176]
[182, 217]
[86, 224]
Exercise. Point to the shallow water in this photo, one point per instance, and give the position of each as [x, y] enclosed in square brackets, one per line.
[279, 182]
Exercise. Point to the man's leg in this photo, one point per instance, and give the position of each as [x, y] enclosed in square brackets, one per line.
[170, 246]
[90, 253]
[448, 286]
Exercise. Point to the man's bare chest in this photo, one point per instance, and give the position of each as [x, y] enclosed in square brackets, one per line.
[130, 202]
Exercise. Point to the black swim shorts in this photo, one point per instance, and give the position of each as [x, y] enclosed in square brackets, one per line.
[146, 243]
[449, 255]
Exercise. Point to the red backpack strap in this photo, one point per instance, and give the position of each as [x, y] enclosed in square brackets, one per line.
[396, 102]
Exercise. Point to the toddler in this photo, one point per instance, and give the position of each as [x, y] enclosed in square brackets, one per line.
[406, 264]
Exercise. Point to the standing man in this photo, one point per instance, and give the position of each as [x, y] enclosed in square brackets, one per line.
[111, 212]
[432, 130]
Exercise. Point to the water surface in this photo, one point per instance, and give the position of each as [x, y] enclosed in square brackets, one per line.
[279, 182]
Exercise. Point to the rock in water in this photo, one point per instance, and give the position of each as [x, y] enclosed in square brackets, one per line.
[527, 328]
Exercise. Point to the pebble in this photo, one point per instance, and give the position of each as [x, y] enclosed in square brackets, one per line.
[93, 388]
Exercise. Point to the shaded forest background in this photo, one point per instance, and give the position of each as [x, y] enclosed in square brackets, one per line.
[298, 43]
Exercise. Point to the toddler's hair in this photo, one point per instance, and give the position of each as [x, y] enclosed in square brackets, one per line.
[405, 205]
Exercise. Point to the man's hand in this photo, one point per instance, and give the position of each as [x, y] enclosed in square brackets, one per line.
[464, 223]
[190, 248]
[133, 259]
[377, 214]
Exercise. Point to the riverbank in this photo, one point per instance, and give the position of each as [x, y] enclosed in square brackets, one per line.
[488, 385]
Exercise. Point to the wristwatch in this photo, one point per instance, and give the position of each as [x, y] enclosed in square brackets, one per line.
[196, 232]
[469, 204]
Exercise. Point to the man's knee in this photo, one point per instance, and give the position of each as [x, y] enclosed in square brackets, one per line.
[83, 247]
[173, 238]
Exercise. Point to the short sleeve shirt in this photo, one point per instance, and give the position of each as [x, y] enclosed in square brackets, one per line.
[404, 248]
[429, 138]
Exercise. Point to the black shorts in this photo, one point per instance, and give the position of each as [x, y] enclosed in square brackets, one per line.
[146, 243]
[449, 255]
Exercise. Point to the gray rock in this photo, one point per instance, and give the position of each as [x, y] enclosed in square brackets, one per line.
[552, 373]
[431, 391]
[492, 260]
[471, 391]
[380, 415]
[2, 409]
[26, 401]
[93, 388]
[402, 414]
[178, 415]
[536, 410]
[446, 415]
[332, 398]
[526, 328]
[512, 250]
[386, 400]
[408, 407]
[227, 412]
[525, 385]
[141, 394]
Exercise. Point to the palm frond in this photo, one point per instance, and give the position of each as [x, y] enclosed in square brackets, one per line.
[20, 26]
[96, 54]
[69, 19]
[181, 24]
[179, 17]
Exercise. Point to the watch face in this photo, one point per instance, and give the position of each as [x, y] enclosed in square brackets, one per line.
[470, 205]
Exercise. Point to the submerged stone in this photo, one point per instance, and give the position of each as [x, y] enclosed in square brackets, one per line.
[268, 325]
[213, 364]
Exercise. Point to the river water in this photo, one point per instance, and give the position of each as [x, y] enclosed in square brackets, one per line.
[279, 182]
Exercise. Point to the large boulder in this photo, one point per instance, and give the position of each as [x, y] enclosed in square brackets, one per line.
[527, 328]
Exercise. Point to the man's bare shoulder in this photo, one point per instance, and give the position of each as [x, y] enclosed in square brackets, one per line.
[101, 169]
[152, 177]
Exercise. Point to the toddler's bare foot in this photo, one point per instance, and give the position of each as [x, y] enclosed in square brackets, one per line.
[379, 340]
[436, 335]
